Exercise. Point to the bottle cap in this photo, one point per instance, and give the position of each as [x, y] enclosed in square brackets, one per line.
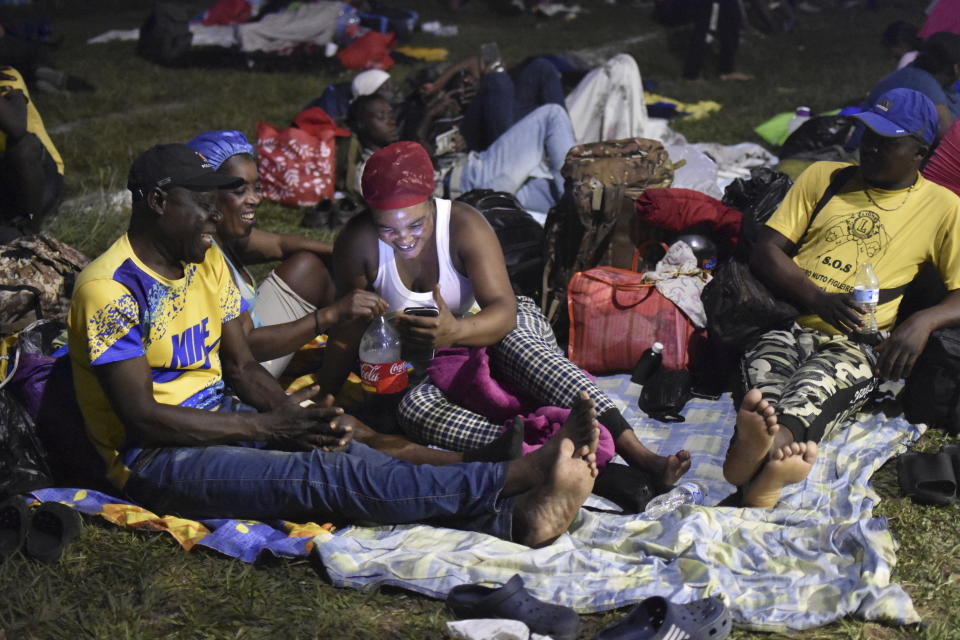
[803, 111]
[695, 490]
[657, 347]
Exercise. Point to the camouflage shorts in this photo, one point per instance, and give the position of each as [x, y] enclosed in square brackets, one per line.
[815, 380]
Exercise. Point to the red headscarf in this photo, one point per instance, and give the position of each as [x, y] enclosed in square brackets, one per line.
[397, 176]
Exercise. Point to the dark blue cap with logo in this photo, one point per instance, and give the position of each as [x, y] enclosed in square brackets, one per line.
[902, 112]
[175, 165]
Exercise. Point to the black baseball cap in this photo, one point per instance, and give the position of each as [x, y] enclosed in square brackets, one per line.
[175, 165]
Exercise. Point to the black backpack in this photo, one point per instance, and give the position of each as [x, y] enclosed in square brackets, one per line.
[931, 394]
[165, 36]
[520, 236]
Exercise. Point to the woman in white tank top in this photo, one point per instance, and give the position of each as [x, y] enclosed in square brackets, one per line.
[415, 250]
[418, 251]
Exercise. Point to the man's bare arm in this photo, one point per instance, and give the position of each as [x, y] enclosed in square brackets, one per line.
[771, 263]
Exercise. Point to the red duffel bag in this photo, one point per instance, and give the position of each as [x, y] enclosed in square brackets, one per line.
[615, 317]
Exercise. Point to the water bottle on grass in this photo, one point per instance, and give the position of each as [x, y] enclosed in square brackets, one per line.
[684, 493]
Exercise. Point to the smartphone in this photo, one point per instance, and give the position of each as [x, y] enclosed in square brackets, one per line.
[444, 143]
[489, 55]
[423, 312]
[417, 354]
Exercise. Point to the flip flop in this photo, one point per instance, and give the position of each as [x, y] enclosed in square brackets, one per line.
[657, 618]
[52, 527]
[14, 520]
[927, 478]
[514, 602]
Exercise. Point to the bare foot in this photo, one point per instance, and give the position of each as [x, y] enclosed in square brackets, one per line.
[787, 465]
[738, 76]
[581, 425]
[581, 429]
[667, 469]
[752, 438]
[542, 514]
[674, 467]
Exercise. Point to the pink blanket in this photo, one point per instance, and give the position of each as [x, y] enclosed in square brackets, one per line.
[463, 374]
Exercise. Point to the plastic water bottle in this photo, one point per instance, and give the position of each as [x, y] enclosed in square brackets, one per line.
[801, 115]
[382, 370]
[684, 493]
[866, 294]
[648, 363]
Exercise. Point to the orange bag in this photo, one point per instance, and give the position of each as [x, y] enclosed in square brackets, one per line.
[615, 317]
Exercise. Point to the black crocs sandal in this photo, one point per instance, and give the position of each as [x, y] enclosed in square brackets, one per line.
[927, 478]
[953, 450]
[657, 618]
[52, 527]
[514, 602]
[14, 520]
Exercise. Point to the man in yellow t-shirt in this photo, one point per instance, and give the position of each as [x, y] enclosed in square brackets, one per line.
[31, 171]
[155, 335]
[808, 378]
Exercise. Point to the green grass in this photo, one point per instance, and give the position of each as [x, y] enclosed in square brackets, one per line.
[115, 583]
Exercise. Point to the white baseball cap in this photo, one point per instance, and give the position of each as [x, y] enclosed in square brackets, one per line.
[368, 82]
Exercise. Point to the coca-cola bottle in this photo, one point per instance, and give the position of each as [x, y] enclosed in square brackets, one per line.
[383, 374]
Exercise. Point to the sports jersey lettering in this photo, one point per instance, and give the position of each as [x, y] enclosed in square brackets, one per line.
[123, 310]
[190, 347]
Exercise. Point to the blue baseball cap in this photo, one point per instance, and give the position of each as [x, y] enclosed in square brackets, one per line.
[902, 112]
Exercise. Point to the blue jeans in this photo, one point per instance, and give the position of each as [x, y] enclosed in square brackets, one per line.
[249, 481]
[526, 160]
[502, 99]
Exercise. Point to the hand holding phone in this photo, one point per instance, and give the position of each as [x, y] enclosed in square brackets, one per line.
[423, 312]
[445, 142]
[417, 354]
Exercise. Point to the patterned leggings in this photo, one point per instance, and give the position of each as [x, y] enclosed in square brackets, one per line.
[814, 380]
[528, 357]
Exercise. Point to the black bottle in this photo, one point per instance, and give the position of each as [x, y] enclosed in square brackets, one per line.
[647, 364]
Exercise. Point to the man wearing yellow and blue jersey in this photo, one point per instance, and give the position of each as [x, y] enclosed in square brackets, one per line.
[155, 344]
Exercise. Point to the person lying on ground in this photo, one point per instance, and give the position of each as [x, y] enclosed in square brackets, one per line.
[933, 73]
[417, 250]
[514, 163]
[155, 337]
[484, 99]
[31, 170]
[805, 380]
[606, 104]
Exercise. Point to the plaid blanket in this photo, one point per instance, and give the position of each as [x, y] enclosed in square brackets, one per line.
[819, 556]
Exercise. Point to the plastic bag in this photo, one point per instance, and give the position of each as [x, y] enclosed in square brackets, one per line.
[665, 394]
[757, 197]
[818, 133]
[296, 168]
[369, 51]
[23, 459]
